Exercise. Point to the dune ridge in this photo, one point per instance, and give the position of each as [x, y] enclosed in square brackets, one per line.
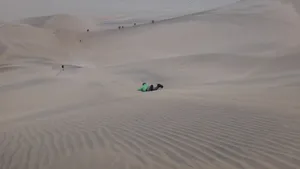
[231, 96]
[59, 21]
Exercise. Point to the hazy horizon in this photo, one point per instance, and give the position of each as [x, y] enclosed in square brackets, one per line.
[15, 9]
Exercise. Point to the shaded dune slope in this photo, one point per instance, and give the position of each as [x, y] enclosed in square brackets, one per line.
[60, 21]
[231, 99]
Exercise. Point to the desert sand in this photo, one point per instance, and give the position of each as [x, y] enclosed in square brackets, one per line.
[231, 96]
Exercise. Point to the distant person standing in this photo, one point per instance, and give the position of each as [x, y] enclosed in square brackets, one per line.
[62, 69]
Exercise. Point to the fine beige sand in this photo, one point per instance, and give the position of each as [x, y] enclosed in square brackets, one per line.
[231, 97]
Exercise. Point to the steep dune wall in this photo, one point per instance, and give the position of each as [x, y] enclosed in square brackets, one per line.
[51, 37]
[61, 22]
[25, 40]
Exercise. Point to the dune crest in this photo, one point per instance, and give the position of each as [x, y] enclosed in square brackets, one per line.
[60, 22]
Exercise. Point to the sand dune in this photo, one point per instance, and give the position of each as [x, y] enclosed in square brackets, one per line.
[231, 96]
[61, 22]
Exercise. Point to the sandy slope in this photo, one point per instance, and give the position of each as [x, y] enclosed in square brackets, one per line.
[231, 97]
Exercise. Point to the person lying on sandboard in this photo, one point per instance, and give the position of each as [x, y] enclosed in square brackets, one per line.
[146, 88]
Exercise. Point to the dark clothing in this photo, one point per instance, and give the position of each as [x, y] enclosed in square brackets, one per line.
[152, 88]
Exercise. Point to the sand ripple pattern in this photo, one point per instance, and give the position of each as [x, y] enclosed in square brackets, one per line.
[212, 137]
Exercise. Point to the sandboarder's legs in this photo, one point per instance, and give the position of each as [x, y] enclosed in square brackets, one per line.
[160, 85]
[152, 88]
[155, 88]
